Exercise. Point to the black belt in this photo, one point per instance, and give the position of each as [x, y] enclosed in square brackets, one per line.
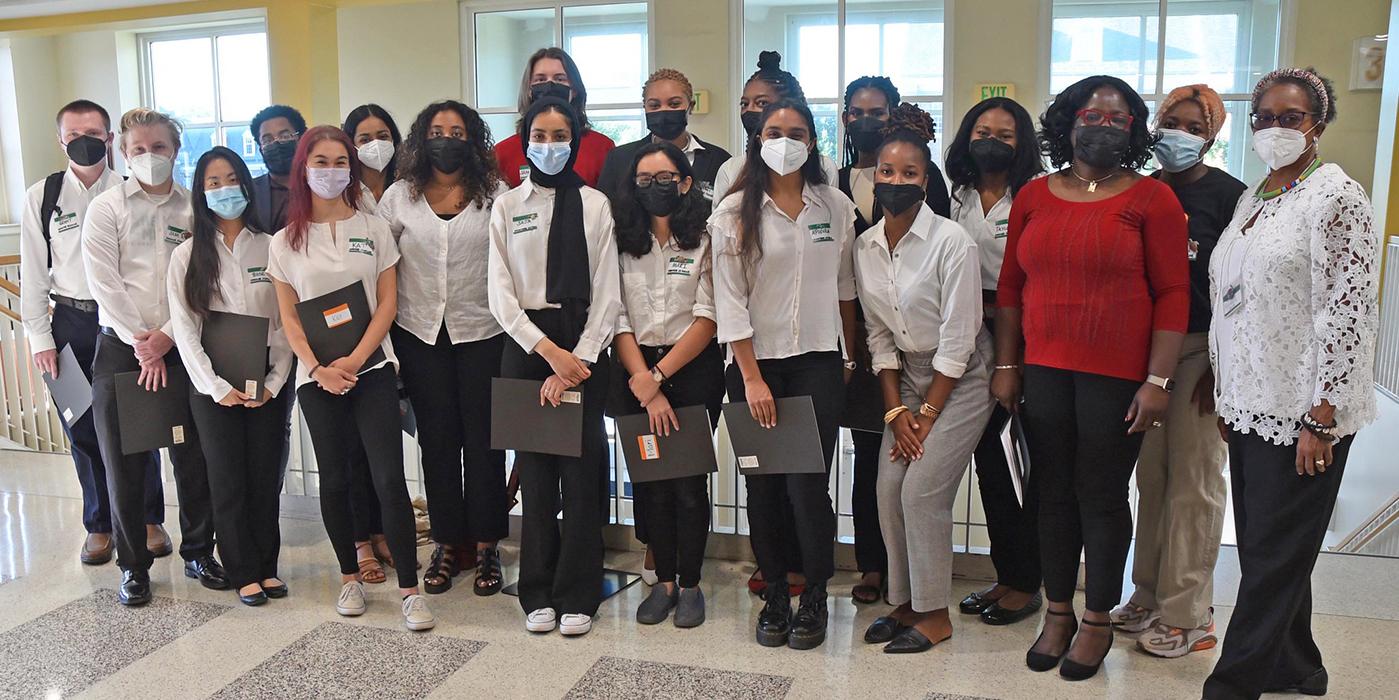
[109, 331]
[84, 305]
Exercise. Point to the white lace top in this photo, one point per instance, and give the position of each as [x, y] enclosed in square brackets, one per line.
[1307, 326]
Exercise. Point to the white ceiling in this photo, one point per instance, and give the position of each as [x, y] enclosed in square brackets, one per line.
[13, 9]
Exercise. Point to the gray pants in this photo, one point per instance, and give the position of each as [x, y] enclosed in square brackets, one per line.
[915, 501]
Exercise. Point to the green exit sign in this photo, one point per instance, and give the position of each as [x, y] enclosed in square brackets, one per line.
[989, 90]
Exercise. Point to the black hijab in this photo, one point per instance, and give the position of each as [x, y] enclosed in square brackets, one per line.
[568, 280]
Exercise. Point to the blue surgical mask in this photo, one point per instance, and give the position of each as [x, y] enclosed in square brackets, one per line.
[550, 158]
[227, 203]
[1178, 150]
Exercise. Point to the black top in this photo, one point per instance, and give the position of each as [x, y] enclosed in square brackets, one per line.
[1209, 205]
[708, 160]
[937, 197]
[271, 202]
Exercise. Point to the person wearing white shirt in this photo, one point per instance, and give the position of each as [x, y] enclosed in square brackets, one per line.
[920, 286]
[377, 141]
[329, 244]
[222, 268]
[439, 212]
[784, 290]
[51, 268]
[553, 287]
[128, 235]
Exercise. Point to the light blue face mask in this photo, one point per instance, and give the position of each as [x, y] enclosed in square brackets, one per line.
[550, 158]
[227, 203]
[1178, 150]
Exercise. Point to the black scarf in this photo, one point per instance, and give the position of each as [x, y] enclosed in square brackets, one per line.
[568, 279]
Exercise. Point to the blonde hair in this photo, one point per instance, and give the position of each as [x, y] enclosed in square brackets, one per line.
[149, 117]
[1211, 106]
[670, 74]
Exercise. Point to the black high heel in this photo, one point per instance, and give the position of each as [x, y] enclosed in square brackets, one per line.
[1074, 671]
[1039, 662]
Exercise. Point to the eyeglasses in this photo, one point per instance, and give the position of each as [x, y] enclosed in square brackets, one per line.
[664, 177]
[1286, 120]
[283, 137]
[1093, 117]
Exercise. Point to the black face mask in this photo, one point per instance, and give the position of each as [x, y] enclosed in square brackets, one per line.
[667, 124]
[1100, 146]
[864, 133]
[896, 199]
[658, 199]
[550, 88]
[750, 122]
[991, 155]
[277, 157]
[86, 150]
[447, 154]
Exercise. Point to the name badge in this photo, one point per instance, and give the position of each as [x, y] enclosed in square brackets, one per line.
[250, 388]
[571, 397]
[258, 275]
[748, 462]
[524, 223]
[680, 266]
[177, 434]
[63, 223]
[707, 189]
[1002, 228]
[524, 173]
[174, 235]
[820, 233]
[337, 316]
[362, 245]
[68, 415]
[650, 449]
[1233, 299]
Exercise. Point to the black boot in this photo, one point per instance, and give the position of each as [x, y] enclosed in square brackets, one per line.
[809, 624]
[775, 621]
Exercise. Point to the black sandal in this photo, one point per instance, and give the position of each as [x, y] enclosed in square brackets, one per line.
[488, 573]
[1040, 662]
[441, 570]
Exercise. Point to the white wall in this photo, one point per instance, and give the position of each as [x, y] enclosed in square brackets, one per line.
[400, 56]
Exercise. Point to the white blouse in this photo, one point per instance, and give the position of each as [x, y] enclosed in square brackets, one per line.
[1308, 274]
[664, 291]
[987, 228]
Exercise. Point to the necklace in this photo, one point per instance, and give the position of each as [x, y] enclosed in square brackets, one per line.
[1093, 184]
[1265, 196]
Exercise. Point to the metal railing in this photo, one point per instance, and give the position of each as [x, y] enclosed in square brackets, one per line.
[30, 417]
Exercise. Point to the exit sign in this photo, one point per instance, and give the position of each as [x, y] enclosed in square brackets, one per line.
[988, 90]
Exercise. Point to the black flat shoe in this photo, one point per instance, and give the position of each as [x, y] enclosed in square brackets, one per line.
[997, 615]
[1075, 671]
[1040, 662]
[775, 621]
[974, 604]
[1315, 685]
[276, 591]
[135, 588]
[882, 630]
[210, 574]
[253, 600]
[909, 641]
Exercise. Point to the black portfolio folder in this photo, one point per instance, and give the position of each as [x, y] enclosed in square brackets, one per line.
[654, 457]
[793, 447]
[519, 423]
[150, 420]
[237, 348]
[71, 391]
[334, 324]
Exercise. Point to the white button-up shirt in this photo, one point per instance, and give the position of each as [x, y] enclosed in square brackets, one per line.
[664, 291]
[788, 299]
[67, 276]
[128, 236]
[360, 249]
[244, 287]
[987, 228]
[442, 274]
[923, 296]
[520, 221]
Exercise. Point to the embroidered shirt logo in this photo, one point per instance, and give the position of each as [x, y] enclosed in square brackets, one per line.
[362, 245]
[524, 223]
[258, 274]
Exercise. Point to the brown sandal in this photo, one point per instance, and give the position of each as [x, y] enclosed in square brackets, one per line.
[370, 571]
[380, 546]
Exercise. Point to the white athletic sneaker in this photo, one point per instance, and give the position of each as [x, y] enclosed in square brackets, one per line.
[1132, 618]
[351, 600]
[1173, 642]
[541, 620]
[416, 615]
[574, 624]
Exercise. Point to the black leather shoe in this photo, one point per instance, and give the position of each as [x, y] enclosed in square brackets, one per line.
[997, 615]
[909, 641]
[1040, 662]
[254, 599]
[974, 604]
[1314, 684]
[1075, 671]
[276, 591]
[208, 571]
[809, 624]
[135, 588]
[775, 621]
[882, 630]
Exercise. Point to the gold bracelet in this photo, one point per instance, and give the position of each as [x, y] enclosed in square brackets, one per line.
[928, 410]
[893, 413]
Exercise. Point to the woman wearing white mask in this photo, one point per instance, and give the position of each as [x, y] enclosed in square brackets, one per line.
[376, 140]
[1295, 286]
[779, 239]
[327, 245]
[1180, 471]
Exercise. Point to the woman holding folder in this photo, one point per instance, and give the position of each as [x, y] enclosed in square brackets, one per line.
[553, 288]
[329, 245]
[668, 358]
[220, 271]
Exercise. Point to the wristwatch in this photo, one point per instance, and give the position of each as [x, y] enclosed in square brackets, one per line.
[658, 375]
[1166, 383]
[851, 365]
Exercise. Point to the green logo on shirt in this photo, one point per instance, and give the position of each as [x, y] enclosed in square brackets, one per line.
[174, 235]
[66, 222]
[362, 245]
[1002, 228]
[680, 266]
[258, 274]
[821, 233]
[525, 223]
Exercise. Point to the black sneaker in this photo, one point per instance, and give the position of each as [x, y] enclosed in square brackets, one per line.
[809, 624]
[775, 621]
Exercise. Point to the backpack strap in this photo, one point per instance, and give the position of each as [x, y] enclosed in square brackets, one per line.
[53, 186]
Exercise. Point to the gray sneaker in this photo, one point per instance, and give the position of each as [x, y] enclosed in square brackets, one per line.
[656, 607]
[689, 612]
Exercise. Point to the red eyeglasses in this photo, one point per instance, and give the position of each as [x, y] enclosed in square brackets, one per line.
[1093, 117]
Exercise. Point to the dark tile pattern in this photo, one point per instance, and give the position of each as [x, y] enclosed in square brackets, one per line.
[613, 677]
[336, 660]
[952, 696]
[68, 649]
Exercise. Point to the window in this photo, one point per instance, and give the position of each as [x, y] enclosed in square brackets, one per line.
[899, 39]
[609, 42]
[213, 81]
[1157, 46]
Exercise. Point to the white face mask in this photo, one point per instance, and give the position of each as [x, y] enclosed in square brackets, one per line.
[1279, 147]
[328, 183]
[376, 154]
[150, 169]
[785, 156]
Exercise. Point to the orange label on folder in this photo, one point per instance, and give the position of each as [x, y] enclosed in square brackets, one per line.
[649, 448]
[337, 316]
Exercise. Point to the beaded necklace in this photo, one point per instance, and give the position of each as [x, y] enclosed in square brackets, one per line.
[1265, 196]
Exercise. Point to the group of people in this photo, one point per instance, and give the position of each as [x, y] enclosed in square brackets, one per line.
[1128, 322]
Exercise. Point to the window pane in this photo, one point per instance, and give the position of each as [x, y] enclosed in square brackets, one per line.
[610, 46]
[1227, 46]
[193, 143]
[901, 40]
[620, 125]
[182, 79]
[243, 77]
[827, 130]
[502, 126]
[504, 42]
[1095, 37]
[805, 35]
[240, 139]
[941, 131]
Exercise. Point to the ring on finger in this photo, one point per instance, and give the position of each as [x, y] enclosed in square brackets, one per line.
[1320, 462]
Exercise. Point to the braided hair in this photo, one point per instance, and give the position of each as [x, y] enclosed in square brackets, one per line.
[908, 123]
[770, 71]
[875, 82]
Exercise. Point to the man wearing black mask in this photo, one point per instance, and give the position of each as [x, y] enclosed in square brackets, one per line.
[277, 129]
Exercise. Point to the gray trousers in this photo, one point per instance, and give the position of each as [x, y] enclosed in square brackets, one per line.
[915, 501]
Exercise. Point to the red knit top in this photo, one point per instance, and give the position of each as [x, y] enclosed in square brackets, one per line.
[592, 151]
[1094, 279]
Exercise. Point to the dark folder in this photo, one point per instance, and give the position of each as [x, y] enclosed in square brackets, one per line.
[654, 457]
[237, 348]
[71, 391]
[793, 447]
[334, 324]
[519, 423]
[150, 420]
[864, 403]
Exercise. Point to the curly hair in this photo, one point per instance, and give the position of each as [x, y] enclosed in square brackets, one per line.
[674, 75]
[770, 71]
[958, 163]
[1320, 89]
[1057, 122]
[633, 224]
[875, 82]
[479, 175]
[908, 123]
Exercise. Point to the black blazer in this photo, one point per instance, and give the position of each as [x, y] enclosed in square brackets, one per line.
[708, 160]
[937, 197]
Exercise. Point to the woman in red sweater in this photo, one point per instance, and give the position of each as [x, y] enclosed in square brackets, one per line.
[551, 72]
[1095, 291]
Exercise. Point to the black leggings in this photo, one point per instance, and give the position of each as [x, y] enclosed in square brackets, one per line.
[368, 413]
[1011, 526]
[1083, 459]
[870, 554]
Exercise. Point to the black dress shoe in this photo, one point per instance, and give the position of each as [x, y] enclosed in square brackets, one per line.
[1040, 662]
[775, 621]
[997, 615]
[1075, 671]
[882, 630]
[809, 624]
[974, 604]
[135, 588]
[909, 641]
[1315, 684]
[208, 571]
[279, 591]
[253, 599]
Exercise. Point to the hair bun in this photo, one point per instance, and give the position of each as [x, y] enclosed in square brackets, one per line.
[769, 60]
[910, 117]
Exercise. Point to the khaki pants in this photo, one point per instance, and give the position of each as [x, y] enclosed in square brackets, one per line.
[1180, 503]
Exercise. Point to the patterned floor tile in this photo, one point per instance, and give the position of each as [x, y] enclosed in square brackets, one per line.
[612, 677]
[950, 696]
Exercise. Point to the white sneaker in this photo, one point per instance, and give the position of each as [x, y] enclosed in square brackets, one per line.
[1132, 618]
[541, 620]
[574, 624]
[416, 615]
[351, 600]
[1173, 642]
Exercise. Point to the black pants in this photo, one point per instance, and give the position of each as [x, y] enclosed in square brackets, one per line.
[243, 448]
[368, 412]
[450, 387]
[1281, 521]
[128, 475]
[1083, 459]
[365, 516]
[870, 555]
[820, 376]
[1012, 527]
